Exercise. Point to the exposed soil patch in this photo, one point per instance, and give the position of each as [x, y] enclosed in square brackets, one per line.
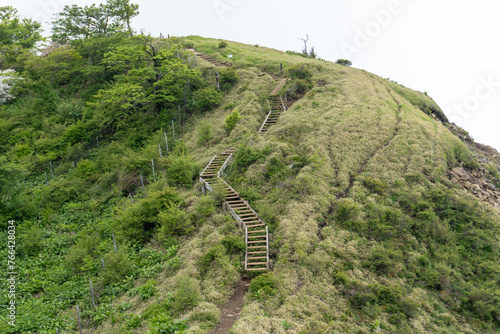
[231, 311]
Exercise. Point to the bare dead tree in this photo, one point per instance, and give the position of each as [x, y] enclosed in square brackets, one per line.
[305, 44]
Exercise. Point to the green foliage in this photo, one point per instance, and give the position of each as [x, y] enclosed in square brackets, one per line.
[174, 221]
[163, 324]
[79, 255]
[205, 206]
[299, 72]
[228, 78]
[208, 98]
[263, 286]
[232, 120]
[234, 244]
[117, 265]
[374, 185]
[137, 221]
[102, 20]
[204, 134]
[344, 62]
[206, 260]
[181, 170]
[246, 156]
[31, 240]
[222, 44]
[85, 168]
[134, 321]
[187, 295]
[145, 291]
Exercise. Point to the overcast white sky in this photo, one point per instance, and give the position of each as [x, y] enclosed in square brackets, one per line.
[448, 48]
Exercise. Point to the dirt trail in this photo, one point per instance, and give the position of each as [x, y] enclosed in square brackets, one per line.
[365, 163]
[231, 311]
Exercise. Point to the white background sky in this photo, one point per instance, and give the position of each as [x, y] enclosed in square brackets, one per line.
[448, 48]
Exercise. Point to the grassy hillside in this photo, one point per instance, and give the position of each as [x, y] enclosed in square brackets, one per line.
[368, 232]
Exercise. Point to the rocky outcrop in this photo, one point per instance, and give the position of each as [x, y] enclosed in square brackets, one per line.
[477, 183]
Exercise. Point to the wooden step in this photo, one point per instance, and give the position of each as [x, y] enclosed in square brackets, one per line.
[256, 269]
[255, 247]
[258, 258]
[256, 242]
[257, 263]
[257, 252]
[259, 231]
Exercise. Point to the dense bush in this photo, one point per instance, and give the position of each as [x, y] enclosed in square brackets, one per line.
[208, 98]
[264, 286]
[231, 121]
[137, 221]
[174, 221]
[187, 295]
[344, 62]
[181, 170]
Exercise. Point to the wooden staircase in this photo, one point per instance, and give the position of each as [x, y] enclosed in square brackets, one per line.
[276, 107]
[256, 231]
[209, 59]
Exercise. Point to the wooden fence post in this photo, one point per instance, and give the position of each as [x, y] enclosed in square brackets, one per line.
[173, 129]
[153, 165]
[114, 242]
[166, 140]
[92, 292]
[79, 321]
[142, 182]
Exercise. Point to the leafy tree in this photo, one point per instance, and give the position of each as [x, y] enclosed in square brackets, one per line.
[61, 65]
[102, 20]
[17, 36]
[149, 78]
[344, 62]
[16, 31]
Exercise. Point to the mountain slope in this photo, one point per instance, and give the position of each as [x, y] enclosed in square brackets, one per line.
[370, 229]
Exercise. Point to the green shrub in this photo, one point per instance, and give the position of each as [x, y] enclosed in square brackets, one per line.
[86, 246]
[346, 210]
[204, 134]
[205, 206]
[137, 221]
[206, 260]
[299, 72]
[85, 168]
[208, 98]
[187, 295]
[163, 324]
[222, 44]
[145, 291]
[247, 156]
[174, 221]
[31, 240]
[374, 185]
[75, 133]
[340, 277]
[181, 170]
[134, 321]
[116, 266]
[153, 310]
[343, 62]
[265, 285]
[231, 121]
[233, 244]
[229, 77]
